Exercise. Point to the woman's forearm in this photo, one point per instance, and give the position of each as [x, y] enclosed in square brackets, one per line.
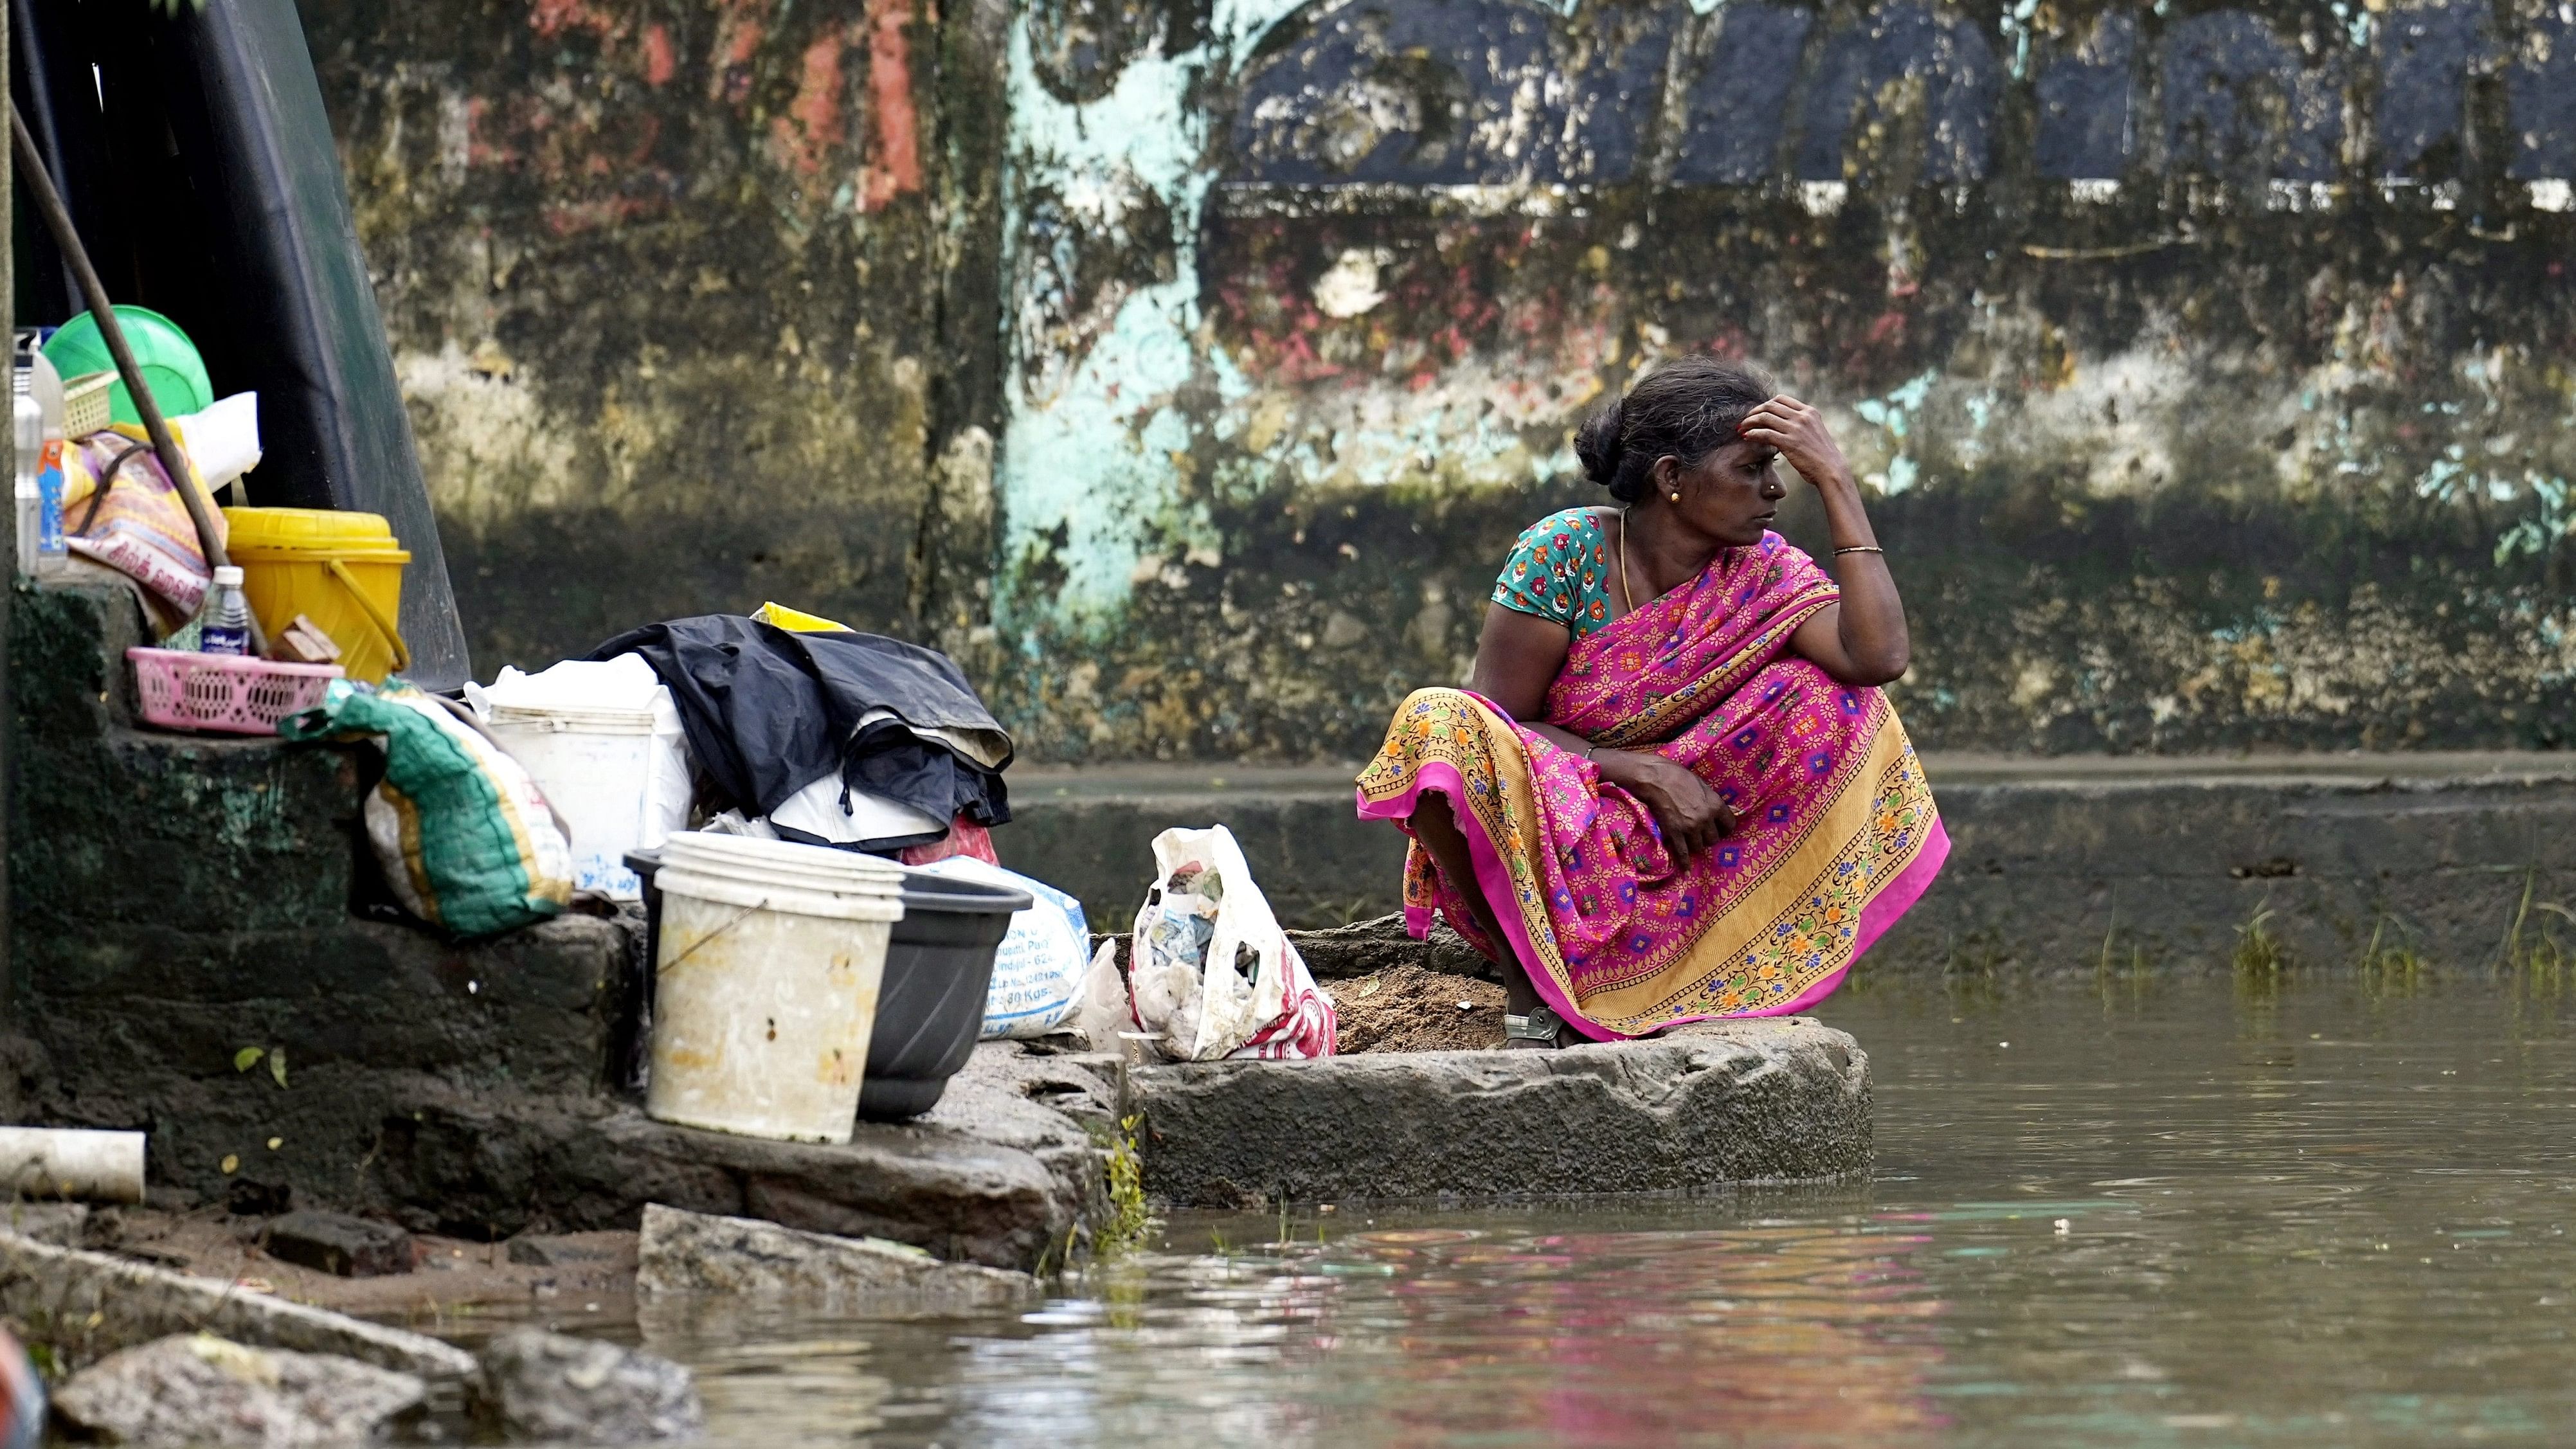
[1564, 739]
[1618, 767]
[1872, 626]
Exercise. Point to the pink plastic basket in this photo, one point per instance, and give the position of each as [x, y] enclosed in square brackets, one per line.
[224, 692]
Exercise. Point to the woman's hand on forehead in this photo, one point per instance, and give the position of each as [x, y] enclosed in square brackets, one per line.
[1797, 432]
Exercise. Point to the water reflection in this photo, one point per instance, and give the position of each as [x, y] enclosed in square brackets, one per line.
[2123, 1210]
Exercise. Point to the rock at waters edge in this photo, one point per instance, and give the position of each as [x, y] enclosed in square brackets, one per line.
[549, 1386]
[685, 1252]
[1006, 1170]
[197, 1389]
[1776, 1100]
[89, 1304]
[339, 1243]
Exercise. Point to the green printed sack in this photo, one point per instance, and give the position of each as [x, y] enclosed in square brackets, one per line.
[465, 838]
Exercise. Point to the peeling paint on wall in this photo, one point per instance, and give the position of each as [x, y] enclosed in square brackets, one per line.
[1186, 366]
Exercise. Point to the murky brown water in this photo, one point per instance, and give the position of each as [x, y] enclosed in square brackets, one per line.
[2157, 1212]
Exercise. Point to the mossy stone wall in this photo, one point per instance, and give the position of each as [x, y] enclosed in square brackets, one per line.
[1187, 368]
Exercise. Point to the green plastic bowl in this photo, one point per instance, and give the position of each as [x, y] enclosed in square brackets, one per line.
[171, 366]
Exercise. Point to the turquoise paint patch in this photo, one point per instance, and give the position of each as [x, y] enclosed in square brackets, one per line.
[1088, 453]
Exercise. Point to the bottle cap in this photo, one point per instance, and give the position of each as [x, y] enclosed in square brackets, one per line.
[228, 575]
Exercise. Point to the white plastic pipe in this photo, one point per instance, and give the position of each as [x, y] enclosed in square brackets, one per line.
[68, 1162]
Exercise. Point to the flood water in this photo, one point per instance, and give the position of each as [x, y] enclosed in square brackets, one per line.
[2151, 1211]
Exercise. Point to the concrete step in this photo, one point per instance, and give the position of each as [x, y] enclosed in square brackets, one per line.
[2057, 864]
[1710, 1105]
[186, 961]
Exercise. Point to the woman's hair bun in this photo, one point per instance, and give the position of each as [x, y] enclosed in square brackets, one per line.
[1596, 445]
[1685, 409]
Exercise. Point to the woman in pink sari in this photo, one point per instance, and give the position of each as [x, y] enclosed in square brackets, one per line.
[1673, 789]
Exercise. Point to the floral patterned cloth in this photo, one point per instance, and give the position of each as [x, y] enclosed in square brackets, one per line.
[1837, 831]
[1559, 569]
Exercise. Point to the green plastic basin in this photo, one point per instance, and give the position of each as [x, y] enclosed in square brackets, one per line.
[171, 366]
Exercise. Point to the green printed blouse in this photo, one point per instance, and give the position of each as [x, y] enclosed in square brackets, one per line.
[1560, 570]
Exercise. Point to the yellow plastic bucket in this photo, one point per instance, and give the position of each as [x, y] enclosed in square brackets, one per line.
[341, 570]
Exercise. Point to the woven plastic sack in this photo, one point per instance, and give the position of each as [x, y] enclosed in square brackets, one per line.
[464, 837]
[1211, 973]
[1037, 971]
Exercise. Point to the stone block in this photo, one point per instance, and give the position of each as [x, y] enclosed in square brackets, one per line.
[1005, 1170]
[339, 1243]
[368, 1015]
[684, 1252]
[115, 824]
[552, 1387]
[1779, 1100]
[90, 1304]
[197, 1389]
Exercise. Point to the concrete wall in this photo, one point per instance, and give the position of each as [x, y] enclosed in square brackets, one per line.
[2461, 861]
[2207, 365]
[692, 301]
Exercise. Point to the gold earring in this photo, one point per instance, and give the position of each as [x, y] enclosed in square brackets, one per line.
[1675, 496]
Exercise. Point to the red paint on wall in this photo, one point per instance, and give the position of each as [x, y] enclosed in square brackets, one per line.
[894, 161]
[572, 218]
[803, 138]
[660, 64]
[481, 148]
[738, 37]
[553, 17]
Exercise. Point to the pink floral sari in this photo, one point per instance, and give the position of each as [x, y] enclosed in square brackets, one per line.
[1837, 837]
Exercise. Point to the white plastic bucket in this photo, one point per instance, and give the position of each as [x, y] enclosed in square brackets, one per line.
[602, 739]
[766, 985]
[604, 771]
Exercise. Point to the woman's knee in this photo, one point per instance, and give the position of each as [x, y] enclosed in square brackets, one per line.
[1435, 708]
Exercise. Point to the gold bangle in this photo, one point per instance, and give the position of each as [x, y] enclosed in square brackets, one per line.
[1859, 548]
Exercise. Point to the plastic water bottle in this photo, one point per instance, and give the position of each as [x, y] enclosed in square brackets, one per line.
[37, 379]
[30, 490]
[227, 615]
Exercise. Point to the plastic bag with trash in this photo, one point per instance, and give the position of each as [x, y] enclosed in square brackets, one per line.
[1038, 970]
[1210, 973]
